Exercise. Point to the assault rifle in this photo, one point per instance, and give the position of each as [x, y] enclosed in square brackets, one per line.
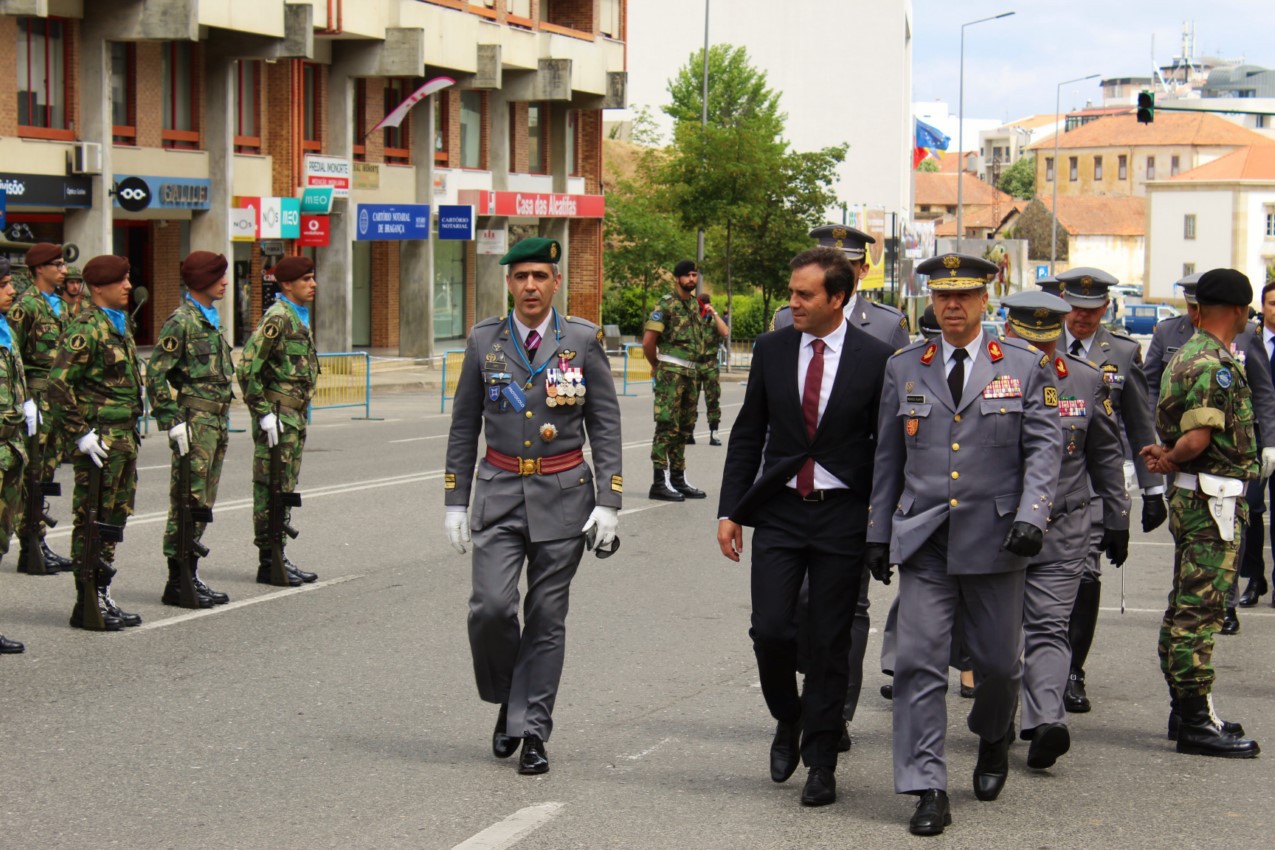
[187, 515]
[95, 534]
[35, 508]
[278, 501]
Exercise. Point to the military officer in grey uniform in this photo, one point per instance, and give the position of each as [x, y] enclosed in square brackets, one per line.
[1092, 462]
[969, 448]
[536, 384]
[1120, 359]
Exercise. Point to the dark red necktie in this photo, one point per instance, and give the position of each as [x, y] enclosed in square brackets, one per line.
[533, 342]
[810, 413]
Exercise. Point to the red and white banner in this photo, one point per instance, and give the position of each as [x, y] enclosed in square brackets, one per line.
[533, 204]
[398, 113]
[315, 231]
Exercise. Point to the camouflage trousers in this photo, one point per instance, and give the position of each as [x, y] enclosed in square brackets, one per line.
[119, 486]
[208, 439]
[12, 465]
[56, 445]
[292, 443]
[676, 409]
[1203, 571]
[708, 383]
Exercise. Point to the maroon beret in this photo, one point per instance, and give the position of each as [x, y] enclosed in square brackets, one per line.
[43, 252]
[104, 270]
[293, 268]
[202, 269]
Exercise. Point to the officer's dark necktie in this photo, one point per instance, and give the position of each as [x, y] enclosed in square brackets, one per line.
[533, 342]
[1077, 348]
[1273, 360]
[956, 378]
[810, 414]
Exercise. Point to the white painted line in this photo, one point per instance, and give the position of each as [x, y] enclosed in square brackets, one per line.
[221, 609]
[628, 511]
[512, 829]
[1159, 612]
[648, 750]
[418, 439]
[149, 468]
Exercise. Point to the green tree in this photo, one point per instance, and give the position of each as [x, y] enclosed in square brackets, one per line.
[928, 164]
[1019, 179]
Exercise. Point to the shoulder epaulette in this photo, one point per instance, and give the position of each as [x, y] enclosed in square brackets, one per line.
[920, 343]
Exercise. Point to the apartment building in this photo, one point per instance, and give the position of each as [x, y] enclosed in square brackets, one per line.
[150, 128]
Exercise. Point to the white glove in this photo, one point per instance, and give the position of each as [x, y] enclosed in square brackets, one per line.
[1268, 463]
[180, 434]
[457, 524]
[32, 416]
[91, 444]
[270, 424]
[607, 521]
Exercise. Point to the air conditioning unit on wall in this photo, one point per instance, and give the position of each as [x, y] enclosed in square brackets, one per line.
[86, 158]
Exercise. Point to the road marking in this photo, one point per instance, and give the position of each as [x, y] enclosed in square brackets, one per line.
[648, 750]
[512, 829]
[418, 439]
[221, 609]
[628, 511]
[1159, 612]
[149, 468]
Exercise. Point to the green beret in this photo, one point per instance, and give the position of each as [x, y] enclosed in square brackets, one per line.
[537, 249]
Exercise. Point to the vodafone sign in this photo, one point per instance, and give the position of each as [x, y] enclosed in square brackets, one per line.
[534, 204]
[315, 232]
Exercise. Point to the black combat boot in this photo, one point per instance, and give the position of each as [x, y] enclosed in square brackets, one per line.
[173, 590]
[53, 559]
[1201, 733]
[1175, 721]
[217, 597]
[27, 558]
[678, 479]
[308, 578]
[713, 439]
[688, 439]
[106, 572]
[110, 623]
[11, 647]
[263, 570]
[1230, 623]
[661, 492]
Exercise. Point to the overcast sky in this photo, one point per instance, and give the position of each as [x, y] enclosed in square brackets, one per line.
[1013, 66]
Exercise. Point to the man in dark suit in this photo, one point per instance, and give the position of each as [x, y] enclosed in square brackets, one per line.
[814, 388]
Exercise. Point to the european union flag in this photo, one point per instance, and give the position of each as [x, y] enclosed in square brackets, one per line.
[930, 137]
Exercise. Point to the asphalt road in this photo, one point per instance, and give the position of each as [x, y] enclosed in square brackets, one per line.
[344, 714]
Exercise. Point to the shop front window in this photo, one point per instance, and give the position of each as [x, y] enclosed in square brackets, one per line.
[449, 290]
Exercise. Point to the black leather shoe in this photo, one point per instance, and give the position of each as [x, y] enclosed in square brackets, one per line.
[533, 759]
[53, 559]
[932, 814]
[306, 577]
[1049, 742]
[821, 787]
[844, 742]
[967, 691]
[10, 647]
[991, 768]
[677, 478]
[785, 750]
[1230, 623]
[1255, 590]
[1075, 700]
[502, 745]
[713, 439]
[887, 691]
[108, 605]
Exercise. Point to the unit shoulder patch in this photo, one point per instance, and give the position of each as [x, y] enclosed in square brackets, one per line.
[78, 342]
[169, 344]
[270, 331]
[1051, 396]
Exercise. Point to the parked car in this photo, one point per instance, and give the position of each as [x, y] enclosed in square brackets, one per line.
[1142, 318]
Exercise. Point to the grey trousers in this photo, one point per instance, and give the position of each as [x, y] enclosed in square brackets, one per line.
[1048, 597]
[520, 666]
[991, 608]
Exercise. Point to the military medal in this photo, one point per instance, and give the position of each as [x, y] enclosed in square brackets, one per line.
[548, 432]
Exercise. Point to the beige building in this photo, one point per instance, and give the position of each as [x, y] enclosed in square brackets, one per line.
[1108, 233]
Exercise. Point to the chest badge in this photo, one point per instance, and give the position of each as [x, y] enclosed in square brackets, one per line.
[548, 432]
[912, 427]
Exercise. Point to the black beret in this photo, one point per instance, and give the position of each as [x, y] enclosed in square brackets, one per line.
[1224, 286]
[202, 269]
[684, 267]
[106, 269]
[293, 268]
[43, 252]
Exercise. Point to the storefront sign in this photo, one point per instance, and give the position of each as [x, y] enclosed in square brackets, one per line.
[243, 224]
[277, 218]
[47, 190]
[135, 193]
[456, 222]
[367, 175]
[534, 204]
[380, 222]
[328, 171]
[493, 242]
[315, 232]
[317, 200]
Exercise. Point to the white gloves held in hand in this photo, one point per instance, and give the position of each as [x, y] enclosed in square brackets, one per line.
[607, 521]
[32, 416]
[91, 444]
[270, 425]
[1268, 463]
[457, 524]
[179, 434]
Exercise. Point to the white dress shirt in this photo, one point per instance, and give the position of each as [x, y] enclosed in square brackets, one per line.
[833, 344]
[1086, 344]
[973, 350]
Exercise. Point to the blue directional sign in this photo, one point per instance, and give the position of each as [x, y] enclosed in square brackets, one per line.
[384, 222]
[4, 206]
[456, 222]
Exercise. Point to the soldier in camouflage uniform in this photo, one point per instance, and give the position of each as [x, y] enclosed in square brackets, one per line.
[17, 418]
[95, 395]
[37, 320]
[73, 290]
[675, 338]
[193, 360]
[1205, 422]
[707, 378]
[277, 373]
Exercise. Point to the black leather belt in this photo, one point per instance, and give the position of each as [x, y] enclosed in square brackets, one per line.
[820, 495]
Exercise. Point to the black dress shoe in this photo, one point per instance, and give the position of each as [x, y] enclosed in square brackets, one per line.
[502, 745]
[533, 759]
[887, 691]
[1049, 742]
[785, 750]
[991, 768]
[844, 743]
[967, 691]
[932, 814]
[1230, 623]
[821, 787]
[1255, 590]
[1075, 700]
[10, 647]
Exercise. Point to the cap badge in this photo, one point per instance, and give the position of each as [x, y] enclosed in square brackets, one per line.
[839, 233]
[553, 251]
[951, 261]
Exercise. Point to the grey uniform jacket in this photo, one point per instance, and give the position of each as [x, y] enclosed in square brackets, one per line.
[881, 321]
[1250, 349]
[992, 462]
[557, 504]
[1092, 452]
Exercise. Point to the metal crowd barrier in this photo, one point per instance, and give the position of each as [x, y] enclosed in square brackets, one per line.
[636, 368]
[452, 361]
[345, 380]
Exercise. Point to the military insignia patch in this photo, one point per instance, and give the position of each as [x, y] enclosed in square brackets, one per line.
[553, 251]
[909, 386]
[548, 432]
[1061, 367]
[617, 483]
[903, 322]
[567, 354]
[600, 334]
[928, 357]
[994, 351]
[912, 426]
[17, 314]
[1051, 396]
[1044, 361]
[491, 357]
[77, 343]
[1106, 405]
[839, 233]
[657, 316]
[270, 331]
[449, 481]
[1224, 378]
[951, 261]
[169, 344]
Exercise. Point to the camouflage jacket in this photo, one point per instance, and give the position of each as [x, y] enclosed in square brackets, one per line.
[279, 357]
[683, 332]
[36, 332]
[191, 359]
[1204, 386]
[96, 379]
[13, 392]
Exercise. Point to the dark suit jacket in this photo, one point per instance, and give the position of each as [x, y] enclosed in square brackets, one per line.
[844, 444]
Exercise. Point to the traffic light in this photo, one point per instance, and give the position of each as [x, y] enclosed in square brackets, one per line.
[1146, 107]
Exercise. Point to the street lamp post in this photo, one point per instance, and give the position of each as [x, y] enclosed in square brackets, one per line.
[960, 131]
[1058, 131]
